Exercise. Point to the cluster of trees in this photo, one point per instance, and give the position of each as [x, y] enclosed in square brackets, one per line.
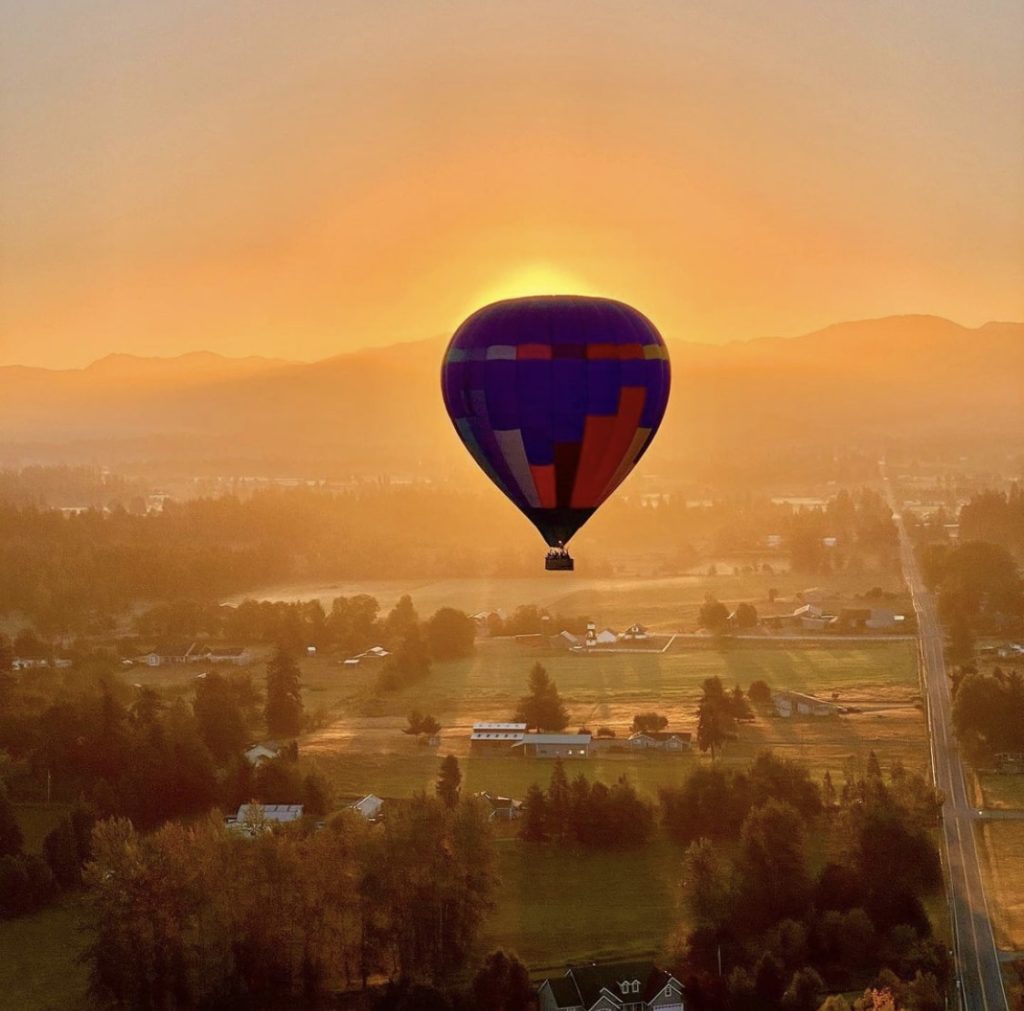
[247, 922]
[150, 756]
[715, 616]
[783, 933]
[995, 517]
[980, 590]
[718, 713]
[988, 711]
[529, 619]
[589, 814]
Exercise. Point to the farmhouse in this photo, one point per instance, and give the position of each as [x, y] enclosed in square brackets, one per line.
[789, 704]
[553, 745]
[255, 818]
[620, 986]
[604, 637]
[490, 737]
[371, 807]
[174, 652]
[368, 655]
[634, 633]
[502, 808]
[256, 754]
[661, 740]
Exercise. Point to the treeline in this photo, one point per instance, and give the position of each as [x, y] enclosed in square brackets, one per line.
[783, 934]
[77, 574]
[152, 756]
[980, 591]
[289, 915]
[988, 711]
[996, 517]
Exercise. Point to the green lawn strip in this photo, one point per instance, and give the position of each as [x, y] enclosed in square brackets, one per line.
[39, 966]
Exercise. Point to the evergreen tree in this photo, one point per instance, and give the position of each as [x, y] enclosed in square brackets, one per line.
[543, 707]
[449, 781]
[559, 803]
[284, 696]
[60, 848]
[502, 984]
[534, 827]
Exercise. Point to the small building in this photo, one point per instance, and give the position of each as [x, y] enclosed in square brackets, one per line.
[490, 737]
[617, 986]
[174, 652]
[264, 751]
[882, 619]
[789, 704]
[238, 655]
[635, 633]
[502, 808]
[255, 818]
[661, 740]
[554, 746]
[374, 653]
[566, 638]
[371, 807]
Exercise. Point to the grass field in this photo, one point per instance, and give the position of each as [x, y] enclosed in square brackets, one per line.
[39, 967]
[1004, 792]
[670, 602]
[1003, 847]
[363, 748]
[557, 906]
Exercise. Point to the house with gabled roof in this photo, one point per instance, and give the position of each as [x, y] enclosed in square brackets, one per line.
[618, 986]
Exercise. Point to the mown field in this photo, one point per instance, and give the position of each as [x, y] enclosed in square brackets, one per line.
[362, 748]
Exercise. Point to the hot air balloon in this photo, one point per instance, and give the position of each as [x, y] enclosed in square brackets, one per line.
[556, 397]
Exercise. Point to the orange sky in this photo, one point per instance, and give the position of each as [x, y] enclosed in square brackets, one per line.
[303, 178]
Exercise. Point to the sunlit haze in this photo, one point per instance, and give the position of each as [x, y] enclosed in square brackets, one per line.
[303, 179]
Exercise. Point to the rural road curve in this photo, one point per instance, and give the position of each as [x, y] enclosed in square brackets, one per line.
[980, 979]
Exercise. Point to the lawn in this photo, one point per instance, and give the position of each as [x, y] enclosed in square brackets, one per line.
[39, 967]
[556, 906]
[1002, 791]
[1003, 847]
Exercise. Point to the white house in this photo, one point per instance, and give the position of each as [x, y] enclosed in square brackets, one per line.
[180, 652]
[619, 986]
[635, 632]
[263, 752]
[371, 807]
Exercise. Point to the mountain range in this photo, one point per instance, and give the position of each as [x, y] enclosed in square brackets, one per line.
[869, 383]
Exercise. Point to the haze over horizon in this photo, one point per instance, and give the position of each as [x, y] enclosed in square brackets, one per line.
[304, 181]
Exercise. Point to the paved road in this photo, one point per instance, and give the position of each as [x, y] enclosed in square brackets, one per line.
[978, 964]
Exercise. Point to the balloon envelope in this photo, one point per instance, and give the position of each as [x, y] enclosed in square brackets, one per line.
[557, 397]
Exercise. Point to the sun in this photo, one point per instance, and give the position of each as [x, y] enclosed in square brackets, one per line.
[534, 279]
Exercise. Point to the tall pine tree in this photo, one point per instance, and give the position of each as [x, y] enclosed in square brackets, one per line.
[284, 695]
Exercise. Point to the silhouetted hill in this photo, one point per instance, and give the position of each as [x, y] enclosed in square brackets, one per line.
[897, 380]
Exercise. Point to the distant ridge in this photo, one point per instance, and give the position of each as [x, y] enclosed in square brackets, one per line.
[913, 377]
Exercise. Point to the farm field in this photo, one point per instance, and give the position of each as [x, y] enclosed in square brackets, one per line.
[664, 603]
[1003, 848]
[362, 748]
